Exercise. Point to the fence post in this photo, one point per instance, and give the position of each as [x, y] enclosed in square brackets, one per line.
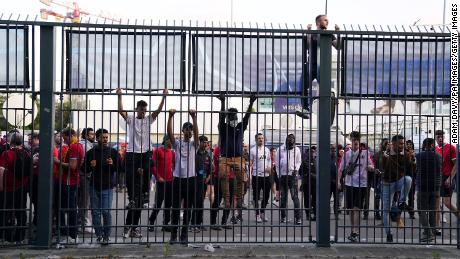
[323, 179]
[47, 88]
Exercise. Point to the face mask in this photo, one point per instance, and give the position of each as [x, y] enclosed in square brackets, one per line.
[233, 123]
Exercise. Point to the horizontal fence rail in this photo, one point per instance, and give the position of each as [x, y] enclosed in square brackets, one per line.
[129, 133]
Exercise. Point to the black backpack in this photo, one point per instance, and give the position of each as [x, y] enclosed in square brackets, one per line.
[22, 163]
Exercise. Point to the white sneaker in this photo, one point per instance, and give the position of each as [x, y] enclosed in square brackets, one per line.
[89, 230]
[263, 218]
[444, 220]
[258, 219]
[146, 206]
[126, 232]
[73, 240]
[276, 203]
[181, 214]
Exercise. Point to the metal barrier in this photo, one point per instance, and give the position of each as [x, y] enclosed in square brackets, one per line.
[276, 187]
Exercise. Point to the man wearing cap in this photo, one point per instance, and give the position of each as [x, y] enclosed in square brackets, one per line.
[231, 150]
[288, 161]
[163, 160]
[184, 175]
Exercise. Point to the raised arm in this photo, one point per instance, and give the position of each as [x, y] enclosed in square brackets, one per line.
[221, 98]
[121, 111]
[192, 113]
[336, 41]
[155, 113]
[252, 99]
[169, 127]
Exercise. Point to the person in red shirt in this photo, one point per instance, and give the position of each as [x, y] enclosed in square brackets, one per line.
[449, 169]
[163, 162]
[69, 177]
[13, 191]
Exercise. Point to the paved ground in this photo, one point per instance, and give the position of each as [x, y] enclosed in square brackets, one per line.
[272, 232]
[238, 251]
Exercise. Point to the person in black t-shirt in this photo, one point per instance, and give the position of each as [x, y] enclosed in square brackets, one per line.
[231, 150]
[311, 66]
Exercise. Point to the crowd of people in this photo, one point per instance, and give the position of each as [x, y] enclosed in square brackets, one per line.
[186, 168]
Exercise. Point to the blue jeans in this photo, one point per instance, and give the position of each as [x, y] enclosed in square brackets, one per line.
[101, 203]
[388, 190]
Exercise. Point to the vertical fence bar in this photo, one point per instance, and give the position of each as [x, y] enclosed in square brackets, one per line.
[47, 88]
[324, 139]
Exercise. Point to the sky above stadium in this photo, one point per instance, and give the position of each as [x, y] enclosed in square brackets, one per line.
[289, 12]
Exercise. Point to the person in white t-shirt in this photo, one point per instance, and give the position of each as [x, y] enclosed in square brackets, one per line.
[357, 163]
[184, 175]
[138, 155]
[261, 167]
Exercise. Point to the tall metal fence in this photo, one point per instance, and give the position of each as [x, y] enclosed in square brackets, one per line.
[181, 161]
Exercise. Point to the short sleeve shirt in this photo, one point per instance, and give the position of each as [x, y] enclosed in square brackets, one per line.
[448, 155]
[185, 159]
[138, 134]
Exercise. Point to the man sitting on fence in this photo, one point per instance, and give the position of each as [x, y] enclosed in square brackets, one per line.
[311, 68]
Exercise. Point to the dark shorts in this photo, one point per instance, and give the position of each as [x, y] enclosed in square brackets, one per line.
[446, 191]
[354, 197]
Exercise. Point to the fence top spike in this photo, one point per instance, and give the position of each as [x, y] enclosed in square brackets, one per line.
[10, 16]
[301, 26]
[396, 28]
[359, 27]
[36, 17]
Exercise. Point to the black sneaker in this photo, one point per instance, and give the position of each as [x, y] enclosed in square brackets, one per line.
[427, 238]
[184, 240]
[239, 218]
[105, 241]
[298, 222]
[173, 239]
[131, 204]
[203, 228]
[234, 221]
[166, 229]
[283, 220]
[365, 216]
[389, 238]
[438, 232]
[304, 114]
[412, 215]
[378, 216]
[403, 206]
[225, 226]
[353, 237]
[215, 227]
[99, 240]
